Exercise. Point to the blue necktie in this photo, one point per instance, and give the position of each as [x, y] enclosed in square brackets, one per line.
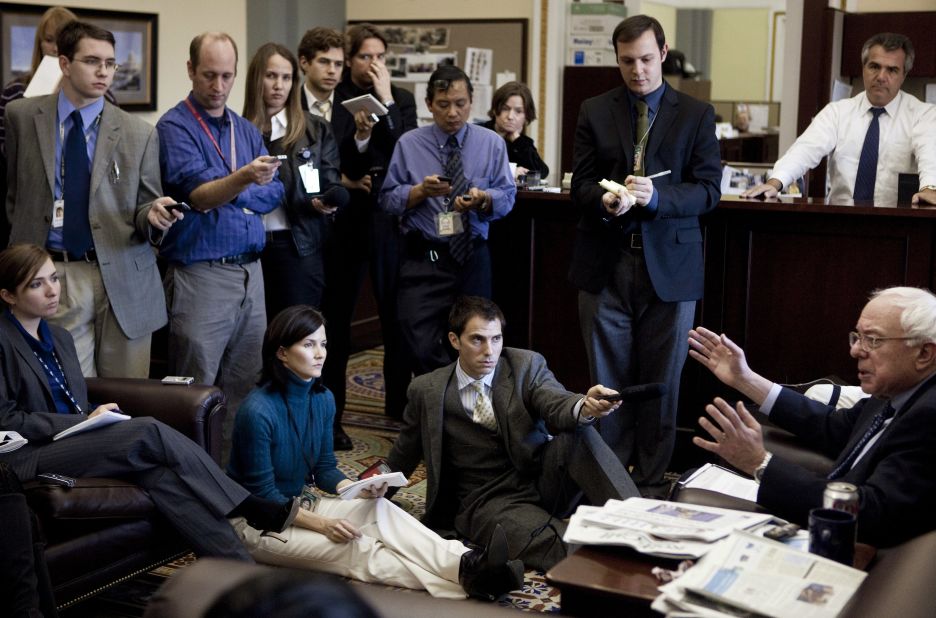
[867, 164]
[76, 234]
[460, 245]
[876, 424]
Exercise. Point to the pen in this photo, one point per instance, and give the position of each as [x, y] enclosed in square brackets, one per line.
[658, 174]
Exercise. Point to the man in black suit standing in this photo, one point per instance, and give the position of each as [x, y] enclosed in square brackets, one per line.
[885, 444]
[363, 234]
[638, 253]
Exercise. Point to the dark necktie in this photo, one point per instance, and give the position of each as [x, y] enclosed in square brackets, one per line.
[460, 244]
[867, 164]
[640, 146]
[873, 429]
[76, 233]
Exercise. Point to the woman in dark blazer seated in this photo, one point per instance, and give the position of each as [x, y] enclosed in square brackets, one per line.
[42, 392]
[293, 269]
[512, 109]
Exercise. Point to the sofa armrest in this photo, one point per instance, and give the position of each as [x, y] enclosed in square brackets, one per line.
[196, 410]
[785, 445]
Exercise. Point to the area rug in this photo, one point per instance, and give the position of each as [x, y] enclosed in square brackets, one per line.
[364, 403]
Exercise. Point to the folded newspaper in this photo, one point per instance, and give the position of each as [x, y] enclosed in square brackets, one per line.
[657, 527]
[748, 575]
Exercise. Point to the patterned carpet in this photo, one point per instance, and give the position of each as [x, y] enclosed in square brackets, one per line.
[373, 434]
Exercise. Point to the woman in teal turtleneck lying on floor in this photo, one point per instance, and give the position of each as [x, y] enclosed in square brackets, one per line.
[282, 446]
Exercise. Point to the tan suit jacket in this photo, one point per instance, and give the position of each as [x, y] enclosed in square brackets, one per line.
[118, 205]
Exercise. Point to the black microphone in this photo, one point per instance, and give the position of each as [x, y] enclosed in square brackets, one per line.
[336, 196]
[641, 392]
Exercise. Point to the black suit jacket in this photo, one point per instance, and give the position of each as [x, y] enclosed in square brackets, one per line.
[26, 404]
[896, 479]
[400, 119]
[682, 140]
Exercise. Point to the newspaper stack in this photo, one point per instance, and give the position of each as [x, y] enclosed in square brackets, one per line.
[658, 528]
[752, 576]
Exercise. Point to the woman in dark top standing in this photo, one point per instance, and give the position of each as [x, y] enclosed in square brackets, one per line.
[293, 266]
[512, 109]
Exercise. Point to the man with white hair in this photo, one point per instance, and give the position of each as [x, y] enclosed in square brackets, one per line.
[886, 444]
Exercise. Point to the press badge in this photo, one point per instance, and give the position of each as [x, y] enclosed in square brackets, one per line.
[308, 498]
[449, 223]
[310, 178]
[58, 214]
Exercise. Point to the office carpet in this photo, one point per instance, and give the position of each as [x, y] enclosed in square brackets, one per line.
[372, 434]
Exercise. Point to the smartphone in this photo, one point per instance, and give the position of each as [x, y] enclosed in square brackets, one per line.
[181, 207]
[183, 380]
[56, 479]
[381, 467]
[447, 179]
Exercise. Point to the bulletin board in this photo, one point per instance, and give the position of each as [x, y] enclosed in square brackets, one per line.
[416, 47]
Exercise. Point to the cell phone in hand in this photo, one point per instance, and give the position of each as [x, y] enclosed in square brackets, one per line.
[180, 207]
[447, 179]
[381, 467]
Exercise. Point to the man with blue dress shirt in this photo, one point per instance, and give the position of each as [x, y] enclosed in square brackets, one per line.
[84, 183]
[447, 181]
[637, 260]
[216, 162]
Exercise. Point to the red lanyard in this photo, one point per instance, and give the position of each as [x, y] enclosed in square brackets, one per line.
[217, 146]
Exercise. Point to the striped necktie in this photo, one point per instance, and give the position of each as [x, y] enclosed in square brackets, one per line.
[460, 245]
[877, 423]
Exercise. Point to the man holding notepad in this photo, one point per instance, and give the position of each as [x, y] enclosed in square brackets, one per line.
[638, 253]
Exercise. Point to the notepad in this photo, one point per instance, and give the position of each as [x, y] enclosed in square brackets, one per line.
[103, 419]
[368, 103]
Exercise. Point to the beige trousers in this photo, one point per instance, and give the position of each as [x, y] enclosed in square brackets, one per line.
[85, 312]
[394, 549]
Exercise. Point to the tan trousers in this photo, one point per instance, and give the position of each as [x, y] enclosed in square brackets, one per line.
[85, 312]
[395, 549]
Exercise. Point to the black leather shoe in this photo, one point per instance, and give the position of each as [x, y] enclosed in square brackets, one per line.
[341, 440]
[488, 573]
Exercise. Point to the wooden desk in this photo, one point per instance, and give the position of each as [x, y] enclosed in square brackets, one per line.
[617, 581]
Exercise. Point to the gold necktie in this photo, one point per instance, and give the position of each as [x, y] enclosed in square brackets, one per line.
[483, 413]
[643, 128]
[324, 108]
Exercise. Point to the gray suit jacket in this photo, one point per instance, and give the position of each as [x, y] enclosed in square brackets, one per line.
[528, 401]
[118, 208]
[26, 404]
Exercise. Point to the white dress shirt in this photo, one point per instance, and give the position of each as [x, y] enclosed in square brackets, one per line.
[907, 145]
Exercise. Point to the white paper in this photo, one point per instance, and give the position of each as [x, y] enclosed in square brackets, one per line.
[392, 479]
[716, 478]
[10, 441]
[503, 77]
[46, 78]
[841, 90]
[103, 419]
[478, 64]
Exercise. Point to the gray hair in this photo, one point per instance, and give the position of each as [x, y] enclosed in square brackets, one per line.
[917, 312]
[890, 41]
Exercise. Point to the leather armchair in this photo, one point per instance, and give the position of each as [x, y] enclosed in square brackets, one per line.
[103, 531]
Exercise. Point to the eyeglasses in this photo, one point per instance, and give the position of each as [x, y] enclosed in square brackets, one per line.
[94, 62]
[870, 342]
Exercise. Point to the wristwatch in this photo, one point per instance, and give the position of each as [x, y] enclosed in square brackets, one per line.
[759, 470]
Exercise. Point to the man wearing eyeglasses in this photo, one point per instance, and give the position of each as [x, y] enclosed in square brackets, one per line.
[83, 181]
[884, 445]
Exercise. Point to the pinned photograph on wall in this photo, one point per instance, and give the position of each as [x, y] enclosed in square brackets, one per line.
[421, 66]
[478, 64]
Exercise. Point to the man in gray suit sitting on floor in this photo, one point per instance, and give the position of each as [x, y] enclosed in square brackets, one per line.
[83, 182]
[484, 426]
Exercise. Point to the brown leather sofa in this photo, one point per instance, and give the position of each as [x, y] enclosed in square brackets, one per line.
[104, 531]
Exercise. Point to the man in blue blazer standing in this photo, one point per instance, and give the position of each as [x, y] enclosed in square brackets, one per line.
[638, 252]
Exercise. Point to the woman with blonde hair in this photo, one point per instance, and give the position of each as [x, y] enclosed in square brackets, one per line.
[292, 260]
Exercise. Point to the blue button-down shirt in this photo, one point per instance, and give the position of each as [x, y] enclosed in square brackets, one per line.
[423, 152]
[89, 118]
[189, 159]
